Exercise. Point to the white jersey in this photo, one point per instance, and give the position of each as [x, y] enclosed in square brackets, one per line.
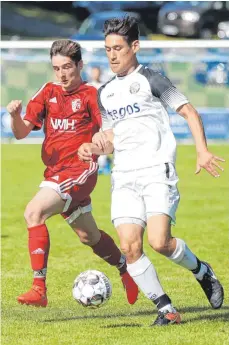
[134, 107]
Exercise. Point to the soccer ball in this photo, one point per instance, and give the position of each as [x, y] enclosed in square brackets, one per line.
[92, 289]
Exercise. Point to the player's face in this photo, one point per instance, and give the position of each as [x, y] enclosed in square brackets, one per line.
[67, 72]
[121, 55]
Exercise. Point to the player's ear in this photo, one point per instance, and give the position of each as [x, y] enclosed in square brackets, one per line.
[80, 64]
[135, 46]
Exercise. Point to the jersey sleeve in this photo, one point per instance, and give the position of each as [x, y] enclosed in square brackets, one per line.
[106, 124]
[36, 110]
[162, 88]
[94, 108]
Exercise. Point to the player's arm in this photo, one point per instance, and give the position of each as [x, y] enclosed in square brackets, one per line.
[102, 144]
[86, 151]
[205, 159]
[104, 141]
[21, 128]
[168, 93]
[104, 137]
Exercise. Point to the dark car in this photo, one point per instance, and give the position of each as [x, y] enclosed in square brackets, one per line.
[192, 18]
[92, 27]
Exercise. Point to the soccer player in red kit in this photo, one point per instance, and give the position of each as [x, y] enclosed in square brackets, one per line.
[70, 116]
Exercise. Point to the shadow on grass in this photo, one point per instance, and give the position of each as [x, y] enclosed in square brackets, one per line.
[213, 316]
[123, 325]
[4, 236]
[209, 317]
[194, 309]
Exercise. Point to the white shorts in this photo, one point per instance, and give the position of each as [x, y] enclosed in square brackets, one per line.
[139, 194]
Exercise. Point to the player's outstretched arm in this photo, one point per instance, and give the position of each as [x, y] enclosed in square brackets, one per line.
[205, 159]
[86, 151]
[104, 140]
[21, 128]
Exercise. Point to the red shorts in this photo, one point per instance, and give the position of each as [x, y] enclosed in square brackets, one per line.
[75, 187]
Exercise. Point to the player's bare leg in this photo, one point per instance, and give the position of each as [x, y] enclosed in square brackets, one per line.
[143, 272]
[160, 239]
[103, 246]
[45, 204]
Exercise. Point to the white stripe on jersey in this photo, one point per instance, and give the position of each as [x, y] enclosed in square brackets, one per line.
[92, 169]
[65, 182]
[54, 83]
[39, 91]
[173, 98]
[69, 183]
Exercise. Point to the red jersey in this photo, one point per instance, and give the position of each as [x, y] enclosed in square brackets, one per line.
[69, 119]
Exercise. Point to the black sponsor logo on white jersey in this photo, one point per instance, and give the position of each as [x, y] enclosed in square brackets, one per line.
[110, 95]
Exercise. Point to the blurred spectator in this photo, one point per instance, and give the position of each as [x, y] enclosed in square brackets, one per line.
[96, 77]
[14, 38]
[103, 161]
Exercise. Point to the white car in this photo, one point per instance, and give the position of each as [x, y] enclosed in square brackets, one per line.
[223, 30]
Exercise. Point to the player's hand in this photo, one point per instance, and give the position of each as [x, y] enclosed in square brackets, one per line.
[209, 162]
[14, 108]
[85, 152]
[100, 139]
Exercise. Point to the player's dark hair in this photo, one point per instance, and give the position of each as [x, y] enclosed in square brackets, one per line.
[126, 26]
[66, 48]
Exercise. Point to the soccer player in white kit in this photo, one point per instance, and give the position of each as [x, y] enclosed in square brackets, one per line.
[144, 179]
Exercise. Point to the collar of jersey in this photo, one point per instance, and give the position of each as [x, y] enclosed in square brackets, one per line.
[66, 93]
[128, 75]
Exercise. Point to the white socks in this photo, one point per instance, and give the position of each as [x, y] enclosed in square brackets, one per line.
[143, 273]
[202, 271]
[168, 308]
[183, 256]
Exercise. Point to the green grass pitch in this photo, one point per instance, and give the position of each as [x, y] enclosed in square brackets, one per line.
[202, 221]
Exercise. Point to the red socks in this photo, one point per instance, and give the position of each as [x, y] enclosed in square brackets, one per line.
[39, 250]
[39, 245]
[108, 251]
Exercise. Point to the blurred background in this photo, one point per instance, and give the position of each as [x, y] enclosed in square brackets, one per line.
[202, 74]
[84, 19]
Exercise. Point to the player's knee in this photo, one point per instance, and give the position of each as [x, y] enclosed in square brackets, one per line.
[33, 216]
[88, 239]
[131, 250]
[160, 246]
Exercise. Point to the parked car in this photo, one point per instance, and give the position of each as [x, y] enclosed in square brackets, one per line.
[223, 30]
[148, 10]
[92, 27]
[192, 18]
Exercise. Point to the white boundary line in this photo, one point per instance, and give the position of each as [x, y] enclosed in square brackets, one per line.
[6, 141]
[100, 44]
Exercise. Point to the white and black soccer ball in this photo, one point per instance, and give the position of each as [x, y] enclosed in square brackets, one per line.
[92, 289]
